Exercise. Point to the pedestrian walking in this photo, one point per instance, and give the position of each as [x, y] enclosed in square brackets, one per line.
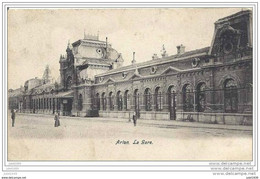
[134, 118]
[13, 117]
[56, 119]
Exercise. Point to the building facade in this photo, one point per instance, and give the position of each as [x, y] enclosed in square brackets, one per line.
[213, 84]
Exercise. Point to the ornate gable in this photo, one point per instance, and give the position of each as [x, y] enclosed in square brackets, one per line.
[171, 70]
[136, 75]
[110, 80]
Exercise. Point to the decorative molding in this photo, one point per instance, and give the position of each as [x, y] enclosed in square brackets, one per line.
[153, 70]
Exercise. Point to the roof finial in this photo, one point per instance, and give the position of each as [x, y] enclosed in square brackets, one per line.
[163, 51]
[84, 33]
[133, 61]
[68, 46]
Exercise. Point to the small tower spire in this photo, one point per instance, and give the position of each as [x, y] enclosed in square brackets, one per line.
[68, 46]
[133, 61]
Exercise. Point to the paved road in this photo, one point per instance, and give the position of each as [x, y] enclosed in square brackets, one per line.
[36, 138]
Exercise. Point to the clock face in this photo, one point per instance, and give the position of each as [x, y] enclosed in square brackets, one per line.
[228, 47]
[100, 52]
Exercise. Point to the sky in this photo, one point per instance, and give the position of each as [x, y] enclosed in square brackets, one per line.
[38, 37]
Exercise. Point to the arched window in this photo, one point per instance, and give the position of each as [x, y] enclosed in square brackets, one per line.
[97, 101]
[158, 99]
[230, 96]
[187, 95]
[127, 100]
[119, 100]
[53, 105]
[50, 103]
[249, 93]
[80, 102]
[68, 82]
[104, 101]
[41, 103]
[148, 99]
[111, 101]
[58, 104]
[201, 97]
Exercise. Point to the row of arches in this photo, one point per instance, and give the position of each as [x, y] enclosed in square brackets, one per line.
[45, 104]
[186, 99]
[123, 100]
[229, 91]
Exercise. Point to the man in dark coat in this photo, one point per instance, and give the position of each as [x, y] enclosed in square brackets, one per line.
[13, 117]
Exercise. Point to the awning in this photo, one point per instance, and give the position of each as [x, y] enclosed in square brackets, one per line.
[67, 94]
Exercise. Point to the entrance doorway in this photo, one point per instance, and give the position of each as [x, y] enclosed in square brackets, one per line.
[137, 103]
[172, 103]
[67, 107]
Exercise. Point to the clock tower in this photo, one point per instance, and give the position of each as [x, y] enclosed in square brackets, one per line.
[232, 38]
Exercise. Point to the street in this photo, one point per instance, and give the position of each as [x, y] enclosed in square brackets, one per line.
[35, 138]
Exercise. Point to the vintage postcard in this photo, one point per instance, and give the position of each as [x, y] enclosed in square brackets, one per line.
[130, 84]
[185, 92]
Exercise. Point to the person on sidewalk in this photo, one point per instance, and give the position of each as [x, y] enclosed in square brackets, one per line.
[13, 117]
[134, 118]
[56, 119]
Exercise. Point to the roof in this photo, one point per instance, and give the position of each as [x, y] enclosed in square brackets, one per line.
[240, 13]
[67, 94]
[16, 92]
[78, 42]
[96, 61]
[160, 60]
[45, 86]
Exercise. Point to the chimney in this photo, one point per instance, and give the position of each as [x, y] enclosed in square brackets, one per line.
[180, 49]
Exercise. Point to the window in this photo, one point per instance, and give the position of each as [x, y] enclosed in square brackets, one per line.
[69, 82]
[119, 101]
[104, 101]
[187, 95]
[127, 100]
[111, 101]
[148, 99]
[97, 101]
[201, 97]
[230, 96]
[80, 102]
[158, 99]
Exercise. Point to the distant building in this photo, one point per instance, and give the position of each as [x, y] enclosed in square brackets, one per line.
[212, 84]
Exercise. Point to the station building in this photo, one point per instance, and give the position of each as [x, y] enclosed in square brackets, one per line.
[212, 85]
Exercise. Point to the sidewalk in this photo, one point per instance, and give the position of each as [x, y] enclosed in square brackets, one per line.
[157, 123]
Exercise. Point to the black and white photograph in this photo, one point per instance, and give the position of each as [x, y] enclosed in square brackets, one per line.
[130, 84]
